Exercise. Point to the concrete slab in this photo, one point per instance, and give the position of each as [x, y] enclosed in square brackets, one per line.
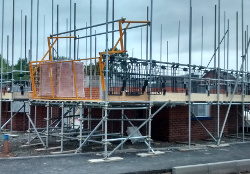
[111, 159]
[192, 169]
[222, 167]
[243, 165]
[221, 145]
[150, 154]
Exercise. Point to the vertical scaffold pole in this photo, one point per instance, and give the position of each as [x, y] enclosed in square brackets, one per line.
[215, 29]
[31, 33]
[201, 40]
[75, 31]
[67, 41]
[161, 46]
[106, 86]
[218, 85]
[21, 47]
[90, 51]
[243, 58]
[81, 121]
[57, 30]
[190, 85]
[25, 41]
[224, 41]
[113, 26]
[47, 121]
[2, 63]
[167, 57]
[70, 28]
[52, 20]
[37, 29]
[35, 116]
[237, 59]
[141, 43]
[44, 26]
[147, 45]
[122, 126]
[62, 126]
[179, 28]
[150, 80]
[29, 130]
[86, 50]
[13, 42]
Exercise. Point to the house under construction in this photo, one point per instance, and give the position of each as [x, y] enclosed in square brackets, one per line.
[115, 98]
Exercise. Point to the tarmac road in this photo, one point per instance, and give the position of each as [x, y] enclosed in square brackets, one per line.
[130, 164]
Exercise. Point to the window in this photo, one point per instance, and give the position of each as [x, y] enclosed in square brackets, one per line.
[201, 110]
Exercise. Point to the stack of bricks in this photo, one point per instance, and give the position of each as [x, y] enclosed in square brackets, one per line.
[63, 80]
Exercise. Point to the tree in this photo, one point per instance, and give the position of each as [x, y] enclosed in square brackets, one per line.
[25, 67]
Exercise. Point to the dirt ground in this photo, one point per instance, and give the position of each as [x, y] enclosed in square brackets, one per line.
[16, 143]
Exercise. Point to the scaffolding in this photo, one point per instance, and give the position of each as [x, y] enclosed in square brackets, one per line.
[127, 83]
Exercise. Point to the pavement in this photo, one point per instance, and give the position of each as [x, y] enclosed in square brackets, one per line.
[131, 163]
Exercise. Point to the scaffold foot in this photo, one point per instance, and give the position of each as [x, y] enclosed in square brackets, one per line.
[150, 154]
[221, 145]
[111, 159]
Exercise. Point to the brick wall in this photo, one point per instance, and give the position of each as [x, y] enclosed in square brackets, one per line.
[20, 121]
[95, 93]
[170, 124]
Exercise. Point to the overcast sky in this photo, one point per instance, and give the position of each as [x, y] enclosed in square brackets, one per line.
[165, 12]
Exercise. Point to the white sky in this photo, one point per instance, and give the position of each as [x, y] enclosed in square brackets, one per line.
[165, 12]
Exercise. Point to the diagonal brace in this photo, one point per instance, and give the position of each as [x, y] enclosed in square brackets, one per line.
[89, 136]
[28, 115]
[12, 117]
[145, 122]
